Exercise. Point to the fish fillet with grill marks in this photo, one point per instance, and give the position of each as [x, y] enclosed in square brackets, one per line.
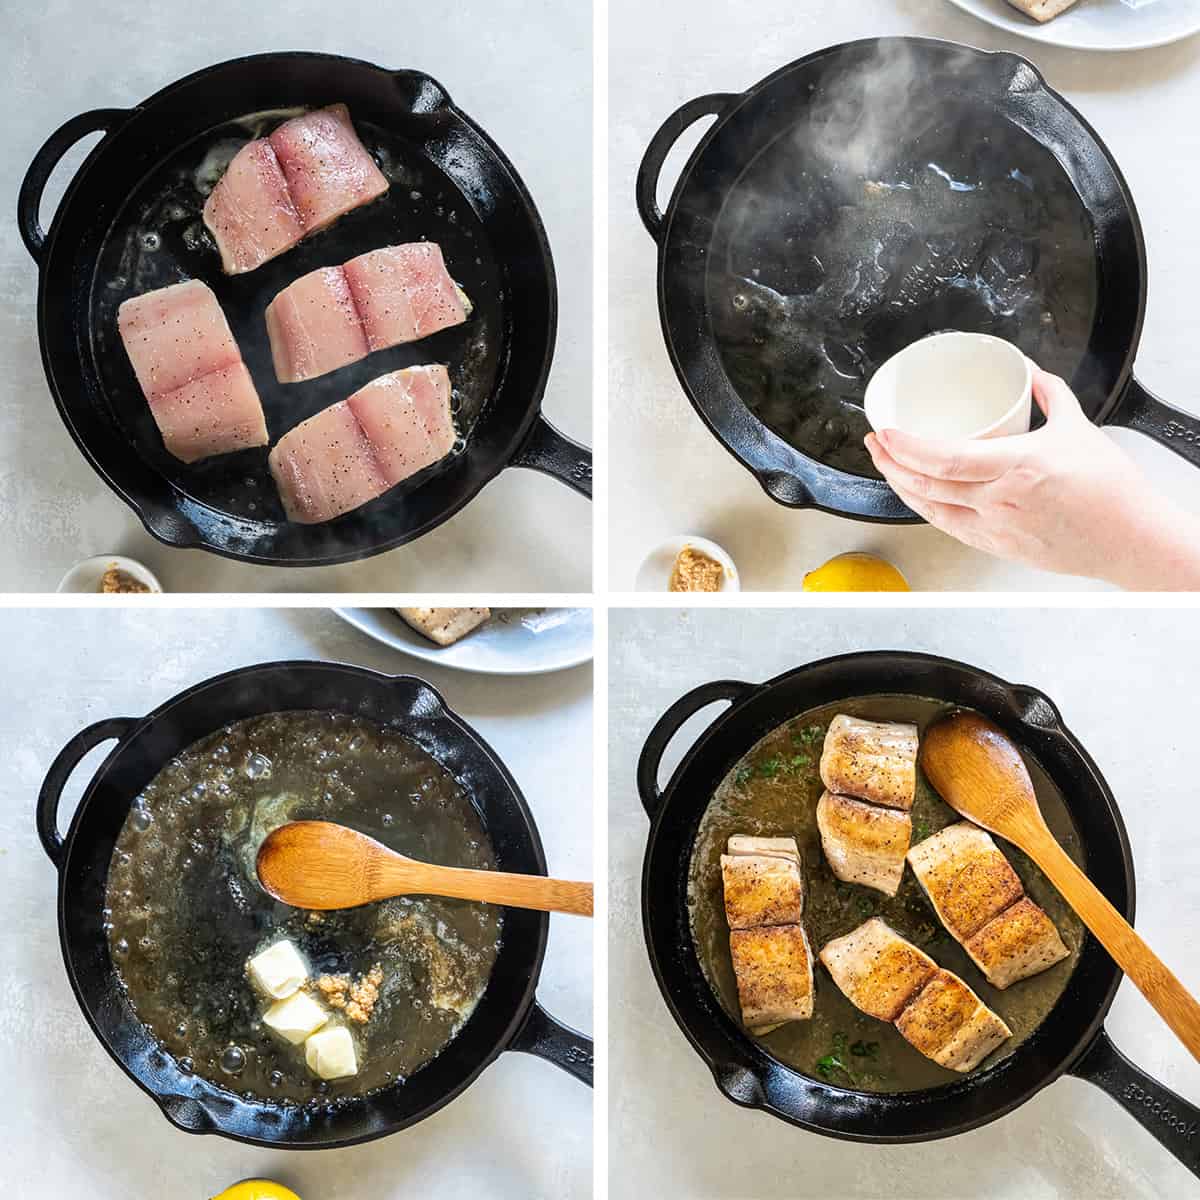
[764, 902]
[982, 903]
[889, 978]
[864, 843]
[871, 760]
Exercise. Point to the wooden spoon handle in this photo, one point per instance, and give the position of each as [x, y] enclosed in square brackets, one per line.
[491, 887]
[1169, 998]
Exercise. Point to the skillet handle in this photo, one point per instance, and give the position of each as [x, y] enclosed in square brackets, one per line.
[60, 771]
[553, 453]
[668, 134]
[668, 725]
[1172, 427]
[29, 202]
[1161, 1112]
[555, 1042]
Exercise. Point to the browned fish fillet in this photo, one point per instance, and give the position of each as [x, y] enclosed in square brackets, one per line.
[878, 971]
[872, 760]
[773, 966]
[1020, 942]
[761, 890]
[889, 978]
[981, 901]
[864, 843]
[445, 626]
[947, 1022]
[1043, 10]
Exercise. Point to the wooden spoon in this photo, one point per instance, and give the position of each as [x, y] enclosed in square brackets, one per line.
[980, 774]
[320, 865]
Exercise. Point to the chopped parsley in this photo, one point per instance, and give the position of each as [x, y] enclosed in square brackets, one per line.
[920, 830]
[836, 1061]
[865, 904]
[744, 775]
[861, 1049]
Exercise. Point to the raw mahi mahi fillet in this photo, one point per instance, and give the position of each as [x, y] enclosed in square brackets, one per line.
[887, 977]
[191, 372]
[338, 315]
[283, 188]
[357, 449]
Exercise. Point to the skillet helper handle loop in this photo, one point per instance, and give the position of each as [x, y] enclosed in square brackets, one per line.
[1165, 1115]
[668, 725]
[556, 1043]
[1143, 411]
[668, 134]
[1148, 973]
[555, 454]
[60, 771]
[29, 202]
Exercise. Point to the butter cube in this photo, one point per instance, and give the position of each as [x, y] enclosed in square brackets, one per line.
[330, 1053]
[296, 1017]
[278, 970]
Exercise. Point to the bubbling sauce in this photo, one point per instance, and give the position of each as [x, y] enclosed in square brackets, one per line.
[772, 791]
[185, 911]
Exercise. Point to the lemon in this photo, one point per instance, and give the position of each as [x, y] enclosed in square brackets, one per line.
[257, 1189]
[855, 573]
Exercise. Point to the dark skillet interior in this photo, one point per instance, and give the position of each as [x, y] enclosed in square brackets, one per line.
[742, 1067]
[777, 187]
[403, 703]
[449, 183]
[159, 238]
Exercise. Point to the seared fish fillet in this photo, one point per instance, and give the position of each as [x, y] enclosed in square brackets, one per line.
[864, 843]
[762, 888]
[871, 760]
[444, 625]
[773, 965]
[1043, 10]
[878, 971]
[947, 1022]
[889, 978]
[981, 901]
[764, 900]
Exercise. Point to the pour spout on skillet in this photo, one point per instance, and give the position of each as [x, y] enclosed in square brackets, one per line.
[321, 865]
[980, 773]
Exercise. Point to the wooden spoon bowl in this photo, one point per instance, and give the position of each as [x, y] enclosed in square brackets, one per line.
[319, 865]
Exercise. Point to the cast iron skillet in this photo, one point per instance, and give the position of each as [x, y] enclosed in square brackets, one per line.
[965, 81]
[1071, 1039]
[130, 221]
[508, 1016]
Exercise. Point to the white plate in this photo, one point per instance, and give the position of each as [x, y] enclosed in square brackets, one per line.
[516, 641]
[1097, 24]
[84, 577]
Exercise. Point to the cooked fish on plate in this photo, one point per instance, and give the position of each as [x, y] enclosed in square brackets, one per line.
[283, 188]
[337, 315]
[355, 450]
[764, 904]
[444, 626]
[889, 978]
[982, 903]
[191, 371]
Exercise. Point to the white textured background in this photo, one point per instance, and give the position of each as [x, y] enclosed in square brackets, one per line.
[670, 475]
[76, 1125]
[521, 68]
[1123, 681]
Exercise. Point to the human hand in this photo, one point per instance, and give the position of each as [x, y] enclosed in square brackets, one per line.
[1063, 497]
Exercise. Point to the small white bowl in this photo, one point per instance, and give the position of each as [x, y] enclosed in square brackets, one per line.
[654, 575]
[84, 577]
[953, 385]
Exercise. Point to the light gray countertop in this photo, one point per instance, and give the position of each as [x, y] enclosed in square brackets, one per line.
[521, 69]
[1123, 681]
[669, 474]
[78, 1126]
